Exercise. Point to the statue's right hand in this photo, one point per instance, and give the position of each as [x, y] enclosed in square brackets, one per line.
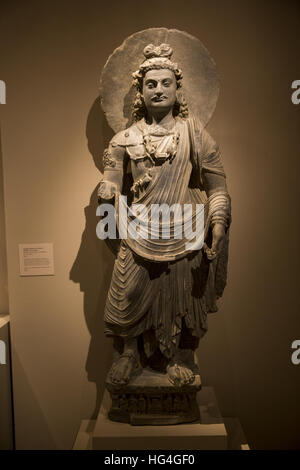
[106, 190]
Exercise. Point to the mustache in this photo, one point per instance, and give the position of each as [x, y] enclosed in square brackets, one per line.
[159, 97]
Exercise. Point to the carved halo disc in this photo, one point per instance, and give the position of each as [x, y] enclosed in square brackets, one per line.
[200, 79]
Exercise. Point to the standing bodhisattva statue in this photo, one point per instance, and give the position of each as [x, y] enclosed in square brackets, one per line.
[162, 290]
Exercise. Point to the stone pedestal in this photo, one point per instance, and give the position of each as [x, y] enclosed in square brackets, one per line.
[160, 403]
[207, 433]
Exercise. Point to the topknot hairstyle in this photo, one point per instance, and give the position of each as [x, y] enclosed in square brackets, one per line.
[157, 57]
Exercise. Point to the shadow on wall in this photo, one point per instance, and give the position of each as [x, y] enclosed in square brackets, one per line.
[93, 265]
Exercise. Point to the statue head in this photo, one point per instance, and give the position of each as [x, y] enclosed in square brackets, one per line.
[157, 81]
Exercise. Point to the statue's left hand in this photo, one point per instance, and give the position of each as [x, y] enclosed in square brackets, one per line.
[218, 233]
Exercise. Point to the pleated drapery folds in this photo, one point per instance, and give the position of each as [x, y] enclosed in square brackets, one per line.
[160, 285]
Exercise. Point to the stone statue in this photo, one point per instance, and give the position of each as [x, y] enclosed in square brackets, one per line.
[161, 291]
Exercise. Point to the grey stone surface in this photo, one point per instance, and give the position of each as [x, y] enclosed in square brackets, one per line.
[208, 433]
[162, 288]
[150, 398]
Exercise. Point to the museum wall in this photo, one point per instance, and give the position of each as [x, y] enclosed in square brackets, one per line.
[3, 263]
[53, 133]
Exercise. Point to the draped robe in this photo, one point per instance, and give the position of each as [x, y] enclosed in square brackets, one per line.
[159, 285]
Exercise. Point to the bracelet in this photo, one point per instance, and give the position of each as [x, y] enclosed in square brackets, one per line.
[219, 220]
[219, 208]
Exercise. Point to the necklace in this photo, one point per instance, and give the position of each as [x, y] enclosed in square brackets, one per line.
[152, 152]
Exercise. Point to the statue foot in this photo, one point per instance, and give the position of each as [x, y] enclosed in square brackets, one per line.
[124, 368]
[179, 374]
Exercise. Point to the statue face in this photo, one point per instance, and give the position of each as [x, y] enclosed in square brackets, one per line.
[159, 90]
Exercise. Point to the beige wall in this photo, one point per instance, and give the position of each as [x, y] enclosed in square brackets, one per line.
[3, 263]
[53, 134]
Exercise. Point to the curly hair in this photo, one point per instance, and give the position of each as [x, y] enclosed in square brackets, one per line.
[139, 110]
